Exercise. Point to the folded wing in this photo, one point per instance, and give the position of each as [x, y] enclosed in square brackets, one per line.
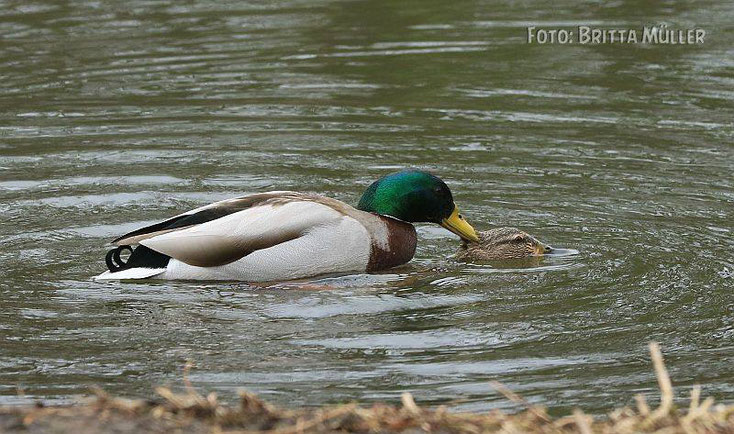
[226, 231]
[204, 214]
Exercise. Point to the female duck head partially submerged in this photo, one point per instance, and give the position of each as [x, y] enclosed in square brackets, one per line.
[506, 243]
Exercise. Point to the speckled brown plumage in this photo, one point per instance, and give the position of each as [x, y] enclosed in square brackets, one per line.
[500, 244]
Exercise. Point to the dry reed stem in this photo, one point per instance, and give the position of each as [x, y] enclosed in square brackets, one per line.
[409, 404]
[666, 387]
[582, 422]
[642, 406]
[514, 397]
[320, 418]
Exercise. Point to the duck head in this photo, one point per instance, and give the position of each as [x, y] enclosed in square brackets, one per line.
[501, 244]
[415, 196]
[504, 243]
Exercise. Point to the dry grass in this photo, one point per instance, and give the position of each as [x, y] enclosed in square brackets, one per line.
[192, 412]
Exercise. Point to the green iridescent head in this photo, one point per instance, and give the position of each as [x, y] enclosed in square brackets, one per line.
[416, 196]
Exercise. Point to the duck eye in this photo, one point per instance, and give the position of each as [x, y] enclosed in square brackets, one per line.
[519, 238]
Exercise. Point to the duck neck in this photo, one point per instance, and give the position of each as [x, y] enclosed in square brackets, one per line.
[394, 246]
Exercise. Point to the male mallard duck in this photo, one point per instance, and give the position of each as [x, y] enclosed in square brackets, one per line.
[286, 235]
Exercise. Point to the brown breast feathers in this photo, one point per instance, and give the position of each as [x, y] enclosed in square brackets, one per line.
[397, 249]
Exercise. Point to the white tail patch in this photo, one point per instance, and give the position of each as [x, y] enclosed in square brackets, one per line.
[130, 274]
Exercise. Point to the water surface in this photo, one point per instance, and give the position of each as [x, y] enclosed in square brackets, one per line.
[113, 116]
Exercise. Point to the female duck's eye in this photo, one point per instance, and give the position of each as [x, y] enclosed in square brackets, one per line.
[519, 238]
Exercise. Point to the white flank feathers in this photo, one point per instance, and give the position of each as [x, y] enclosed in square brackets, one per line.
[339, 247]
[270, 242]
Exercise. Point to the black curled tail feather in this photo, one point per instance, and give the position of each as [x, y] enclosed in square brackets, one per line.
[113, 260]
[140, 257]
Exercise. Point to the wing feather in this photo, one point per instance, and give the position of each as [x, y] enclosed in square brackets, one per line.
[235, 235]
[200, 215]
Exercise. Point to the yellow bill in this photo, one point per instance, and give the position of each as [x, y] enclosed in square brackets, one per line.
[456, 224]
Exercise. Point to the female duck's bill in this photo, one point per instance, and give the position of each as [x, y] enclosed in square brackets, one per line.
[560, 251]
[280, 236]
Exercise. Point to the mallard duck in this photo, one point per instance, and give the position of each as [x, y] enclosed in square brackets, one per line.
[506, 243]
[502, 243]
[284, 235]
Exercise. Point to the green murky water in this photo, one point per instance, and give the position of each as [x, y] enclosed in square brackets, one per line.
[115, 115]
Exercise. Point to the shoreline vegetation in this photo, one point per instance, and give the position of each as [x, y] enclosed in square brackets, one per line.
[192, 412]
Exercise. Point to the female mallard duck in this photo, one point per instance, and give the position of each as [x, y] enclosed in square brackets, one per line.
[506, 243]
[500, 244]
[286, 235]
